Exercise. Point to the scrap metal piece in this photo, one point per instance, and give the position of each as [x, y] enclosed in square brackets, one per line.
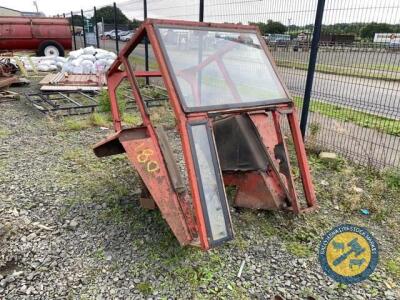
[7, 81]
[62, 103]
[145, 155]
[239, 147]
[6, 96]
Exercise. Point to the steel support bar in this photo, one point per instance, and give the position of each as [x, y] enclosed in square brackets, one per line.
[146, 43]
[201, 11]
[73, 29]
[311, 66]
[83, 29]
[96, 27]
[147, 74]
[116, 28]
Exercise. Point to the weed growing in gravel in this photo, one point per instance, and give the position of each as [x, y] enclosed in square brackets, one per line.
[298, 249]
[74, 155]
[392, 265]
[99, 119]
[104, 101]
[72, 124]
[145, 288]
[312, 143]
[4, 133]
[99, 254]
[163, 115]
[392, 178]
[132, 119]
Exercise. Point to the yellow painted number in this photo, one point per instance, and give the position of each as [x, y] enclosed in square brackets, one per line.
[144, 158]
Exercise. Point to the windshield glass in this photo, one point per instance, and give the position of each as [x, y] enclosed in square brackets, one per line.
[220, 69]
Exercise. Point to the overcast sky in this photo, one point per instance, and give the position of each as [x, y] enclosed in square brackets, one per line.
[53, 7]
[299, 12]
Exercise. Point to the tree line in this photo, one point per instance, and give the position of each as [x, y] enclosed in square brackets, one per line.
[106, 14]
[362, 30]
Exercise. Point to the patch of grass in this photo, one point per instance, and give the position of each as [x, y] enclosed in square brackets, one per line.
[241, 242]
[340, 70]
[351, 188]
[75, 155]
[153, 92]
[4, 133]
[75, 124]
[268, 229]
[195, 276]
[393, 267]
[380, 67]
[99, 119]
[363, 119]
[339, 164]
[104, 100]
[298, 249]
[392, 178]
[145, 288]
[99, 254]
[230, 191]
[132, 119]
[162, 116]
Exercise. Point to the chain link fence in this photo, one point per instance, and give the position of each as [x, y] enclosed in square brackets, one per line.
[355, 99]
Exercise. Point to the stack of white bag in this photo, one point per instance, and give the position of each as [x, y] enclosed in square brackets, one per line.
[88, 60]
[43, 63]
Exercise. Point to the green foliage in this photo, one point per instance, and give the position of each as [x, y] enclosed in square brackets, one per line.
[343, 28]
[99, 254]
[75, 124]
[77, 20]
[98, 119]
[145, 288]
[270, 27]
[365, 30]
[74, 155]
[132, 119]
[104, 101]
[136, 23]
[107, 14]
[298, 249]
[353, 71]
[393, 267]
[363, 119]
[368, 31]
[4, 133]
[392, 178]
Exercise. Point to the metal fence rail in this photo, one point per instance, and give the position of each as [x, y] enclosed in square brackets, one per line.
[355, 97]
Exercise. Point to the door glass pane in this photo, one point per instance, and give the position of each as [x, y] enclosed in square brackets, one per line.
[215, 206]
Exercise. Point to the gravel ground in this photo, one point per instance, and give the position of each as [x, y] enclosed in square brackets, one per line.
[71, 228]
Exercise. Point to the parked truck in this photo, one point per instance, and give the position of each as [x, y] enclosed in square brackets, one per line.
[47, 36]
[336, 39]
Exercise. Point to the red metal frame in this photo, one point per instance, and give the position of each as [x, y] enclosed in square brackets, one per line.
[256, 189]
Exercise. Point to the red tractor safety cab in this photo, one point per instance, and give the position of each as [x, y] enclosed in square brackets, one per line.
[229, 102]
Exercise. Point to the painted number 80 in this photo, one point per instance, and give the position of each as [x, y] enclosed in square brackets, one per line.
[144, 158]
